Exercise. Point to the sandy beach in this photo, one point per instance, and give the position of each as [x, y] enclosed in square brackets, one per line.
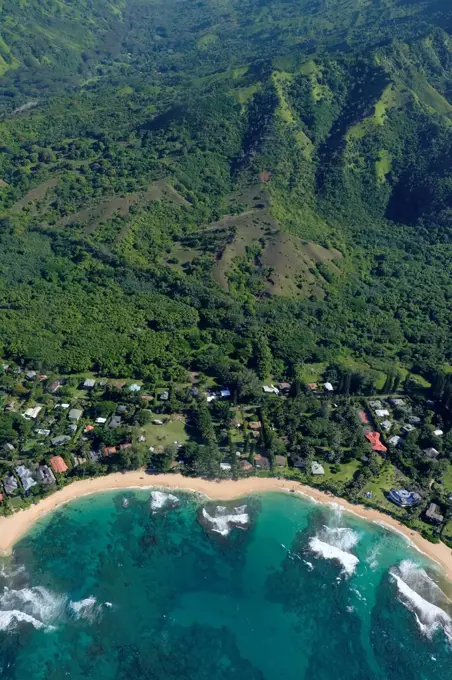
[14, 527]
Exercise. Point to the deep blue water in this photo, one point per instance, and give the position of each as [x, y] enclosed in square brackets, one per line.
[108, 589]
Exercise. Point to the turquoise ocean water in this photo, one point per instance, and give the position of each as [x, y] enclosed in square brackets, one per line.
[144, 585]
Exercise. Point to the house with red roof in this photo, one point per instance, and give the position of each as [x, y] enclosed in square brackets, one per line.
[375, 442]
[363, 417]
[58, 464]
[109, 450]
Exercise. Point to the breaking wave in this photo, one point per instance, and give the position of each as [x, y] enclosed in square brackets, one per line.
[86, 609]
[43, 609]
[160, 500]
[335, 543]
[223, 522]
[424, 598]
[37, 606]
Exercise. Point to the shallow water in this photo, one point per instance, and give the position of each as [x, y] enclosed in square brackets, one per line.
[273, 587]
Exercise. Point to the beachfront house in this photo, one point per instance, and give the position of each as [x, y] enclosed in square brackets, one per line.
[58, 464]
[45, 476]
[433, 514]
[261, 462]
[404, 498]
[25, 477]
[316, 468]
[10, 484]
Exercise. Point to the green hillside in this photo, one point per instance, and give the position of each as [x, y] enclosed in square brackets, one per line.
[192, 178]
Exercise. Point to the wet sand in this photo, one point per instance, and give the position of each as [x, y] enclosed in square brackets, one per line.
[12, 528]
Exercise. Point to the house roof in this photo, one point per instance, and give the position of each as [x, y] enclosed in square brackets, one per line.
[261, 461]
[316, 468]
[363, 417]
[75, 413]
[434, 512]
[375, 442]
[58, 464]
[280, 461]
[431, 452]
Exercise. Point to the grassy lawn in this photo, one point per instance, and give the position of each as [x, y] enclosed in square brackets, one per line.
[447, 478]
[447, 531]
[163, 435]
[383, 483]
[345, 474]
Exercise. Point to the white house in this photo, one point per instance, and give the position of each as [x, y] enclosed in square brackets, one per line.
[328, 388]
[381, 412]
[32, 413]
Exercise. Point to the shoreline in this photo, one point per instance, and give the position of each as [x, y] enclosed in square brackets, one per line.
[15, 526]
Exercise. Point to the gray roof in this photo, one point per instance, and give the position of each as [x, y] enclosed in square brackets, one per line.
[115, 422]
[45, 475]
[61, 439]
[26, 477]
[10, 484]
[433, 513]
[75, 414]
[431, 452]
[89, 382]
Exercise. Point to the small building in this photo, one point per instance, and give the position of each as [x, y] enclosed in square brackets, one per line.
[32, 413]
[363, 417]
[433, 514]
[126, 445]
[395, 440]
[397, 402]
[157, 422]
[134, 387]
[89, 383]
[225, 393]
[312, 386]
[261, 462]
[94, 456]
[115, 422]
[375, 442]
[381, 412]
[226, 467]
[122, 408]
[270, 389]
[280, 461]
[245, 466]
[414, 420]
[55, 386]
[64, 406]
[386, 425]
[77, 460]
[75, 414]
[43, 432]
[10, 484]
[316, 468]
[26, 477]
[31, 375]
[141, 439]
[438, 433]
[328, 387]
[298, 462]
[8, 447]
[58, 464]
[255, 425]
[60, 440]
[404, 498]
[376, 404]
[45, 476]
[88, 428]
[101, 421]
[431, 453]
[284, 387]
[110, 451]
[164, 396]
[408, 428]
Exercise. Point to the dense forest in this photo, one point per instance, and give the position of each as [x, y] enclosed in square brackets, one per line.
[209, 186]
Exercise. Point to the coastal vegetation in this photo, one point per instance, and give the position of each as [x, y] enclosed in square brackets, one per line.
[249, 194]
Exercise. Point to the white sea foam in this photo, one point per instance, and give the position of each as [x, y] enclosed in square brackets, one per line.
[421, 595]
[37, 606]
[330, 552]
[309, 565]
[160, 500]
[9, 620]
[222, 523]
[371, 558]
[86, 609]
[335, 543]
